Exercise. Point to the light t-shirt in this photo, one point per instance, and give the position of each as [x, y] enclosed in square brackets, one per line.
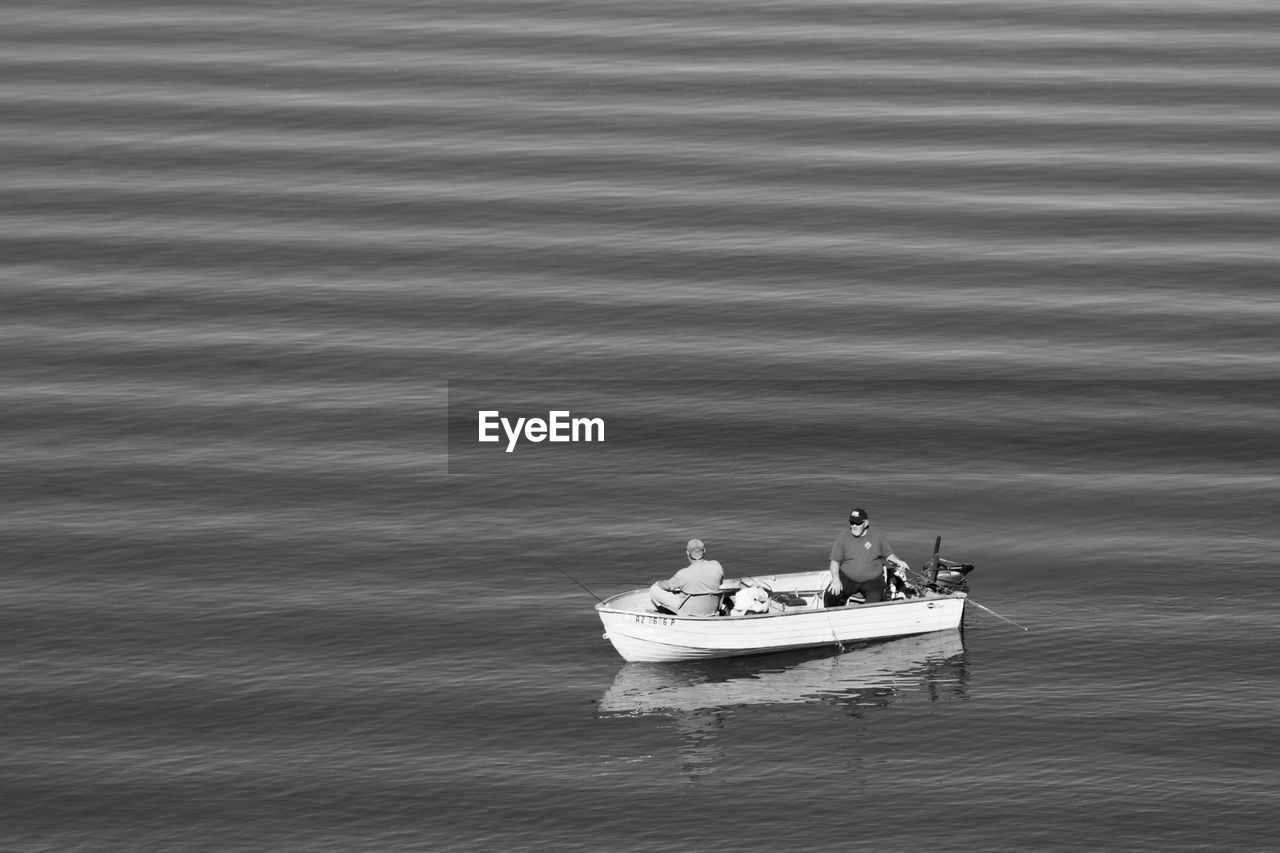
[700, 576]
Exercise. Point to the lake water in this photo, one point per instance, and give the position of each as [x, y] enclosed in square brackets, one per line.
[1004, 273]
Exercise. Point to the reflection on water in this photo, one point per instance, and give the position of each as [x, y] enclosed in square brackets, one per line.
[864, 674]
[701, 696]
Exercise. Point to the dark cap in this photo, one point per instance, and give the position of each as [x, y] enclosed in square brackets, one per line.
[858, 516]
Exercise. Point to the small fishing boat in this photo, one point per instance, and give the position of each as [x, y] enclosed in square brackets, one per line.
[794, 616]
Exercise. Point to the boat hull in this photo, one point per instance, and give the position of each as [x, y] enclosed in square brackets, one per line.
[640, 634]
[878, 671]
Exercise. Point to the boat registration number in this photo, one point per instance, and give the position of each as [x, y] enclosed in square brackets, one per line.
[652, 620]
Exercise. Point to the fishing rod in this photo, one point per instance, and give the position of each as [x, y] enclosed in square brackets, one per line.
[578, 582]
[969, 599]
[933, 563]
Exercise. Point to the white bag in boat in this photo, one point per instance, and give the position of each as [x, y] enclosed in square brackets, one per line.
[750, 599]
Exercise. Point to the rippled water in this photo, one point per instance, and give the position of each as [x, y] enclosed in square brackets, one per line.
[1000, 272]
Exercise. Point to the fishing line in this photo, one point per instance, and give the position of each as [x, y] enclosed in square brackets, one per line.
[578, 582]
[821, 601]
[997, 615]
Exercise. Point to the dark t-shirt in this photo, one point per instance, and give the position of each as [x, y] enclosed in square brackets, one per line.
[861, 558]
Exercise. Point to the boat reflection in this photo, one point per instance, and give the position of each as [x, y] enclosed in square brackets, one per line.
[702, 697]
[866, 674]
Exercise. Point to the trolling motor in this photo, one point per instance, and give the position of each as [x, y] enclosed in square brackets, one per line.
[945, 576]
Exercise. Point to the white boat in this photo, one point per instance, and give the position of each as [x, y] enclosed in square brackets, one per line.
[875, 674]
[796, 618]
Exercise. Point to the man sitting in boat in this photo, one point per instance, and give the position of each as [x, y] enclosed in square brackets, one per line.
[695, 589]
[859, 557]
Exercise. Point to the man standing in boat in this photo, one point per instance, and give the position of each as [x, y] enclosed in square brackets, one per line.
[695, 589]
[859, 557]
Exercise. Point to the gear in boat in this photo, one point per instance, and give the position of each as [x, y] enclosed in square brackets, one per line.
[750, 595]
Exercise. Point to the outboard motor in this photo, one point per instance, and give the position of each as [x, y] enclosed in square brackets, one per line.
[944, 575]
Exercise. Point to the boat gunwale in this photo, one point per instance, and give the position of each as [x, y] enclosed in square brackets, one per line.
[713, 618]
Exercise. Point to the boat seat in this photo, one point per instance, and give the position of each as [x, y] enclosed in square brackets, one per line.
[829, 601]
[721, 606]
